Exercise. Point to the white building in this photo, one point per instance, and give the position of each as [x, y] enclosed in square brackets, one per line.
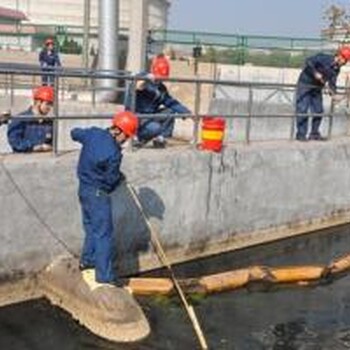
[71, 12]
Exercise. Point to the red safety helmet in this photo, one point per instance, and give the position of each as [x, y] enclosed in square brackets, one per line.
[127, 122]
[49, 41]
[44, 93]
[344, 52]
[160, 67]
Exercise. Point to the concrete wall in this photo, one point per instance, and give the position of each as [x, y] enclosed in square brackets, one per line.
[265, 127]
[267, 101]
[202, 203]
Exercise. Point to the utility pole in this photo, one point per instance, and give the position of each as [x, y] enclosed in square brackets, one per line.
[87, 7]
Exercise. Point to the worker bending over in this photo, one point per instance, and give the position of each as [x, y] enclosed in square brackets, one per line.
[319, 70]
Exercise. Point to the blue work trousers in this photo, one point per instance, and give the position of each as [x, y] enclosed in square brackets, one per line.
[48, 80]
[308, 99]
[99, 245]
[150, 129]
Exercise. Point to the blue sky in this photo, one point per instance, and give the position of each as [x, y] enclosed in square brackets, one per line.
[300, 18]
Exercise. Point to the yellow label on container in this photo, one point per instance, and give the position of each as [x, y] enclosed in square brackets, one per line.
[212, 135]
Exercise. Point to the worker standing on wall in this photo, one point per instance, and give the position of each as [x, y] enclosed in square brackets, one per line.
[319, 70]
[99, 175]
[31, 132]
[49, 60]
[152, 97]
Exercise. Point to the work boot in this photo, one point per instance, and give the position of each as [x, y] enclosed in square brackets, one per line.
[317, 137]
[89, 277]
[137, 143]
[301, 138]
[159, 142]
[83, 267]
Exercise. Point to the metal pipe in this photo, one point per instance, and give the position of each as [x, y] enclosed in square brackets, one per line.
[108, 46]
[87, 7]
[56, 116]
[93, 91]
[176, 116]
[293, 120]
[196, 113]
[330, 123]
[115, 75]
[12, 91]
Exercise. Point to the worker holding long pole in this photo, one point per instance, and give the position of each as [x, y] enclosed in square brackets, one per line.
[99, 175]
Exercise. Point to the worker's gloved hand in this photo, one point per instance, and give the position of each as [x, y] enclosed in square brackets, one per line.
[318, 76]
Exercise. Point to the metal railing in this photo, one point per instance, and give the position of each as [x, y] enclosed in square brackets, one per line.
[249, 115]
[241, 49]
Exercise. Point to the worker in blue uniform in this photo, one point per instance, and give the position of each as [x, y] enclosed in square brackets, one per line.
[152, 97]
[49, 60]
[99, 175]
[319, 70]
[31, 131]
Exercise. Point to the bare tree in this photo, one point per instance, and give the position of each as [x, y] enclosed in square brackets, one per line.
[337, 20]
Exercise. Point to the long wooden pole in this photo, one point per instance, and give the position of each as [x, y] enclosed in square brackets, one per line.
[164, 260]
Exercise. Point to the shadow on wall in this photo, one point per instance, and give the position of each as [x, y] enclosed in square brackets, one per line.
[132, 236]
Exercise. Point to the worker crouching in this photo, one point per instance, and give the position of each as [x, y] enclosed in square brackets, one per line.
[152, 97]
[31, 131]
[99, 175]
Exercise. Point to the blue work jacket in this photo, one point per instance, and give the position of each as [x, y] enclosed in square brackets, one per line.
[153, 98]
[321, 63]
[24, 134]
[99, 161]
[49, 59]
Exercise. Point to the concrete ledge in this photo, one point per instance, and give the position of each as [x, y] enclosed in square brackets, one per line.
[201, 203]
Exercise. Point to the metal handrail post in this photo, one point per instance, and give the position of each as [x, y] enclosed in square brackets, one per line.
[330, 116]
[131, 87]
[12, 93]
[63, 86]
[293, 118]
[197, 102]
[56, 115]
[6, 84]
[33, 80]
[93, 91]
[250, 112]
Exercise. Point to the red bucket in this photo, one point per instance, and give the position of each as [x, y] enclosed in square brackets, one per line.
[212, 134]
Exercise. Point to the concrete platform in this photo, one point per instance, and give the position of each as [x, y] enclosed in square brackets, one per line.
[110, 312]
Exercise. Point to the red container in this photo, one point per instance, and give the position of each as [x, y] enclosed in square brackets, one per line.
[212, 134]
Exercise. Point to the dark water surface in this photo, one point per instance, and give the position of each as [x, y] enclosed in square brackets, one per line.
[311, 318]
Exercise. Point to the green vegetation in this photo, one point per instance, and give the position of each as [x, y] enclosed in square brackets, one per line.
[269, 58]
[70, 46]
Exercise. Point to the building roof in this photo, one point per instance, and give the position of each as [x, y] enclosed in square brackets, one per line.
[12, 14]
